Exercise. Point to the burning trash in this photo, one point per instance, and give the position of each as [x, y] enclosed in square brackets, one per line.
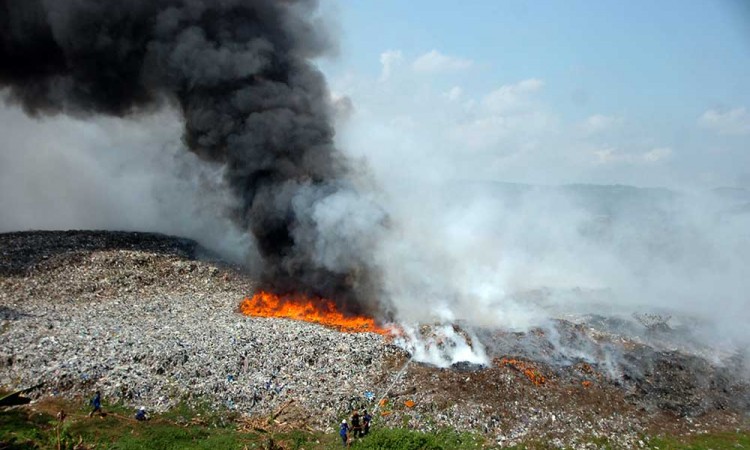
[318, 310]
[531, 373]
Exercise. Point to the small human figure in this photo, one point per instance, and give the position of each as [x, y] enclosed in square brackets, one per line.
[366, 419]
[356, 425]
[96, 403]
[344, 433]
[141, 414]
[256, 397]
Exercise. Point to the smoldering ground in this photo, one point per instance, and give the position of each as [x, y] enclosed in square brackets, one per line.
[659, 267]
[516, 256]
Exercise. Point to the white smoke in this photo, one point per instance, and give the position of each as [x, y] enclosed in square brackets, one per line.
[441, 345]
[63, 173]
[492, 257]
[496, 255]
[450, 248]
[483, 254]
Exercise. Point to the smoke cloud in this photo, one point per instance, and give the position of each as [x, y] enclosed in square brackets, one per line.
[239, 73]
[463, 248]
[115, 85]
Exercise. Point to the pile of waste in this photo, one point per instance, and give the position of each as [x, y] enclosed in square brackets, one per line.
[154, 320]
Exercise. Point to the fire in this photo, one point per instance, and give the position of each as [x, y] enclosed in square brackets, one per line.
[531, 373]
[320, 311]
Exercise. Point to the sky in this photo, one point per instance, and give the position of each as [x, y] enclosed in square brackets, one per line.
[548, 92]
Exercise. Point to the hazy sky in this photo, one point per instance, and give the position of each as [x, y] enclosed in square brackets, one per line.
[639, 92]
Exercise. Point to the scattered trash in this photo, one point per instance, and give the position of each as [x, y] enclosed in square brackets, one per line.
[166, 331]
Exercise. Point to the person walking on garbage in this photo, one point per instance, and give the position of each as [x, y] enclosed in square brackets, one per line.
[366, 419]
[141, 414]
[96, 403]
[344, 433]
[356, 425]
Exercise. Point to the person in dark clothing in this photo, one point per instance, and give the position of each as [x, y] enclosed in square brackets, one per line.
[344, 432]
[366, 419]
[96, 403]
[356, 425]
[141, 414]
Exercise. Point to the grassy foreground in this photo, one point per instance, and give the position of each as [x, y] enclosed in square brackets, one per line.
[185, 428]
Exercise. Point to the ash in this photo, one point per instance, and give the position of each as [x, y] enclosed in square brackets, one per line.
[151, 319]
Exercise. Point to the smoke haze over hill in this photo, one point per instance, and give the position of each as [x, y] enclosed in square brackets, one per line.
[388, 229]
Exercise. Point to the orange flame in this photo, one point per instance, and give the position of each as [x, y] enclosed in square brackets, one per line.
[531, 373]
[320, 311]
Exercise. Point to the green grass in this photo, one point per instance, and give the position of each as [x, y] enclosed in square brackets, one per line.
[399, 438]
[200, 427]
[201, 411]
[116, 432]
[21, 430]
[170, 437]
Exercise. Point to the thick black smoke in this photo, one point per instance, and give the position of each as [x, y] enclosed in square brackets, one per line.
[238, 70]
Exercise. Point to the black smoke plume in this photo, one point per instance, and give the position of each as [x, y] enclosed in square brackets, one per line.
[240, 73]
